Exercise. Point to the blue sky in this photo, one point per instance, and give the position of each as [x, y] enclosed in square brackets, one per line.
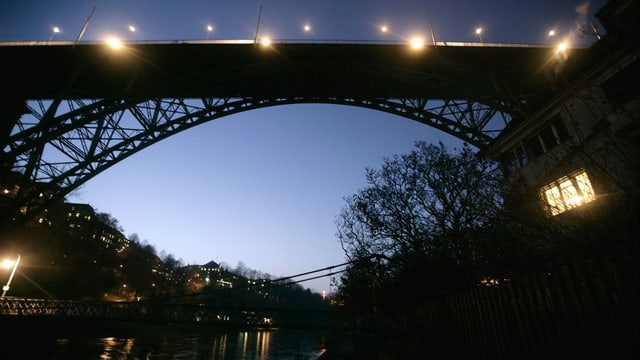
[264, 187]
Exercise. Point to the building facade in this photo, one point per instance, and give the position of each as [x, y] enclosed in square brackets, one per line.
[582, 145]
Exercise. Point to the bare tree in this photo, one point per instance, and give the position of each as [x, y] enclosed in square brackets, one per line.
[426, 203]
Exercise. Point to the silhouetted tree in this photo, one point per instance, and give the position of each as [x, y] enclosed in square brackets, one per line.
[413, 235]
[109, 220]
[429, 202]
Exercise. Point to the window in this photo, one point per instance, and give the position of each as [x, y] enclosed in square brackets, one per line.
[568, 192]
[548, 138]
[560, 130]
[534, 147]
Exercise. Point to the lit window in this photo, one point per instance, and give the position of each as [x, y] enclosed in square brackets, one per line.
[568, 192]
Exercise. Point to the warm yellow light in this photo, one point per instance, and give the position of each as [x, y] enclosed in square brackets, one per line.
[479, 31]
[552, 32]
[7, 264]
[307, 28]
[562, 46]
[384, 28]
[569, 192]
[266, 41]
[114, 43]
[417, 43]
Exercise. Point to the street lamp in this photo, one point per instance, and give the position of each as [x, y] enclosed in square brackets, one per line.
[479, 33]
[417, 43]
[132, 31]
[7, 264]
[55, 30]
[209, 30]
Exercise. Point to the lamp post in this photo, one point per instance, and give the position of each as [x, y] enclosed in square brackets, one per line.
[13, 272]
[479, 33]
[55, 30]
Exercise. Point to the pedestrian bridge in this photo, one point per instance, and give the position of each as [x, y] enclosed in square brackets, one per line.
[166, 312]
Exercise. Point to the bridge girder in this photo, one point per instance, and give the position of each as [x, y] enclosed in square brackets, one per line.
[63, 144]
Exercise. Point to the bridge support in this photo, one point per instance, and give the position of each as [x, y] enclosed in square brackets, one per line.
[11, 110]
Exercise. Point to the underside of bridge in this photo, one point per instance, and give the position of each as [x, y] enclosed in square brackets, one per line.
[88, 107]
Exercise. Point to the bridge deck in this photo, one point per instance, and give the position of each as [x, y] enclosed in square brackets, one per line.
[198, 69]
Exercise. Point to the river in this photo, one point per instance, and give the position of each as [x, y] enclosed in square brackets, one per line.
[137, 341]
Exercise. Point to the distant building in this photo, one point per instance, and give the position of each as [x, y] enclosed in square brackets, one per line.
[10, 189]
[82, 218]
[212, 274]
[583, 143]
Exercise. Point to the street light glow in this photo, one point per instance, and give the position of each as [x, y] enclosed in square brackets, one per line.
[265, 41]
[562, 47]
[209, 30]
[417, 43]
[307, 27]
[8, 264]
[132, 28]
[114, 43]
[479, 32]
[552, 32]
[384, 28]
[55, 30]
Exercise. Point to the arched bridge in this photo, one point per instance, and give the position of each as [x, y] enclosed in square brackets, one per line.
[91, 106]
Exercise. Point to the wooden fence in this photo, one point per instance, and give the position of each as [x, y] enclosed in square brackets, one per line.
[576, 310]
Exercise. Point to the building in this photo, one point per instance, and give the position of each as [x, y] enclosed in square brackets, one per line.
[581, 144]
[82, 218]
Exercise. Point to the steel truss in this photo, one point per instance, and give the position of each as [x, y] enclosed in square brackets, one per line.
[64, 143]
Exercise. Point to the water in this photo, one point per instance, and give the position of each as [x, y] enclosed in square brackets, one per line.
[165, 342]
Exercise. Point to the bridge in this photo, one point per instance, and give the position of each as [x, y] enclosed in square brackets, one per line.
[74, 110]
[166, 312]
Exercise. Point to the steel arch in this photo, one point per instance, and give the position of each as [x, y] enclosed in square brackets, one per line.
[63, 144]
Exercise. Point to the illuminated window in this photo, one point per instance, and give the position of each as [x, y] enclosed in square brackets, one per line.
[568, 192]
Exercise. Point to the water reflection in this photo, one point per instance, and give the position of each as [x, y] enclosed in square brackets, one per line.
[217, 345]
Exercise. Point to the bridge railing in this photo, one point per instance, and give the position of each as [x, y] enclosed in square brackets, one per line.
[170, 313]
[281, 41]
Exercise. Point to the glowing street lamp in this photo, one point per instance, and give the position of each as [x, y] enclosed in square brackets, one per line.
[384, 28]
[562, 47]
[8, 264]
[114, 43]
[209, 30]
[307, 28]
[132, 30]
[54, 30]
[551, 33]
[417, 43]
[479, 33]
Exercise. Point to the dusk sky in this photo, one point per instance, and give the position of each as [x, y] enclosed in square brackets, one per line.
[264, 187]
